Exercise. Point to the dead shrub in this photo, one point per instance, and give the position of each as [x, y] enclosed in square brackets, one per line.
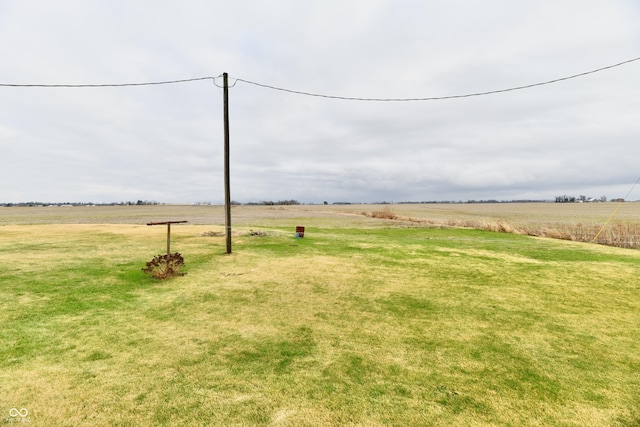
[385, 213]
[212, 234]
[165, 266]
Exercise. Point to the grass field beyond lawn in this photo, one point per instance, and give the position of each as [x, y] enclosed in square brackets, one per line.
[348, 326]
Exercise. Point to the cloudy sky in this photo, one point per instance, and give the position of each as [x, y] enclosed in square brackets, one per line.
[165, 142]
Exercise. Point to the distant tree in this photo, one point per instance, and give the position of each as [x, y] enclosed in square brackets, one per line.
[565, 199]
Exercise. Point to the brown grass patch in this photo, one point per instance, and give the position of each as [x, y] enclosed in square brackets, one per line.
[617, 234]
[385, 213]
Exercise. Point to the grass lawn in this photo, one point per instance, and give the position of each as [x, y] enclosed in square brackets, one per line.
[348, 326]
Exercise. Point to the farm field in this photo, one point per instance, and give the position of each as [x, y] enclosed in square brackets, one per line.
[569, 221]
[366, 321]
[518, 214]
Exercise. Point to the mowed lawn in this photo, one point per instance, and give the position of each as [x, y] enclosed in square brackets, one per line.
[348, 326]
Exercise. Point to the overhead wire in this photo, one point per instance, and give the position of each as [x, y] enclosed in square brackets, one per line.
[222, 87]
[438, 98]
[165, 82]
[347, 98]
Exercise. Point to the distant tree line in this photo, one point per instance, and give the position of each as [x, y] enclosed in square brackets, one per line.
[580, 199]
[270, 203]
[558, 199]
[435, 202]
[129, 203]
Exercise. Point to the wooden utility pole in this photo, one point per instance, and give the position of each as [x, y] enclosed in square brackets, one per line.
[227, 186]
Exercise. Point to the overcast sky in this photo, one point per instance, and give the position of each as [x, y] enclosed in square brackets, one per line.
[165, 142]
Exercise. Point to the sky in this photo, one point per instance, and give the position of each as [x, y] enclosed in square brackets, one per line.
[165, 143]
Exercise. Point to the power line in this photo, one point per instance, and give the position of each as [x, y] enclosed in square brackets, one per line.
[437, 98]
[347, 98]
[166, 82]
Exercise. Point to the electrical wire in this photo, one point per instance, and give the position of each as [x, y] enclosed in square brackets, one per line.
[347, 98]
[222, 87]
[438, 98]
[166, 82]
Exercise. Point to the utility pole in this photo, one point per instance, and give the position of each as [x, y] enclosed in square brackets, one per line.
[227, 186]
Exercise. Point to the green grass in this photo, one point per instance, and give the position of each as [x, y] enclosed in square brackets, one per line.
[348, 326]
